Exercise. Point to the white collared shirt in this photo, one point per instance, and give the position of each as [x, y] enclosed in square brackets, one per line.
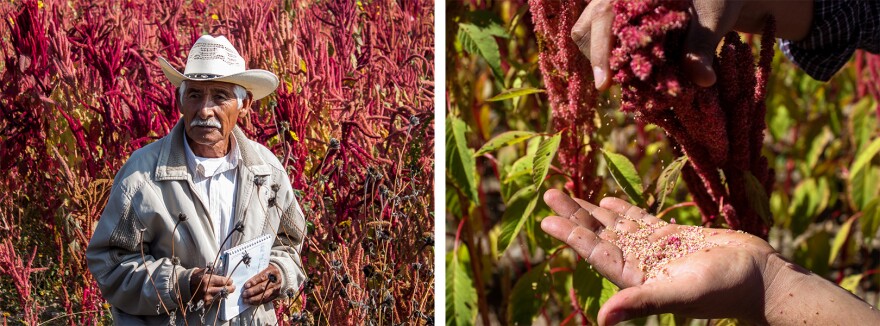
[215, 179]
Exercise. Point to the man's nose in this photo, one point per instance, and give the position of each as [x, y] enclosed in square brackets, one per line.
[207, 109]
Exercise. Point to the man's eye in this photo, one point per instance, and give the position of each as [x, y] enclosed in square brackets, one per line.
[194, 95]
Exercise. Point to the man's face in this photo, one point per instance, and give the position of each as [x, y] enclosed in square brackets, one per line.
[210, 111]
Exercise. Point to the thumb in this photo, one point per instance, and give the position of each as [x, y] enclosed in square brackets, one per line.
[710, 20]
[699, 52]
[640, 301]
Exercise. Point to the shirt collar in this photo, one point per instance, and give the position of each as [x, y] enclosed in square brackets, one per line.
[207, 166]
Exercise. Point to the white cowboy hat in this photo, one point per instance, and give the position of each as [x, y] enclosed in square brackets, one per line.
[215, 59]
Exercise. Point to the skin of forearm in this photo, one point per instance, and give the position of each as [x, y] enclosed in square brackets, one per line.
[794, 295]
[793, 17]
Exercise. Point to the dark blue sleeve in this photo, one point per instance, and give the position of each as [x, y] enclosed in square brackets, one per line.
[838, 29]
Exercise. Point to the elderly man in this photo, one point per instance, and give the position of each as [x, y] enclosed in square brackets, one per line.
[201, 189]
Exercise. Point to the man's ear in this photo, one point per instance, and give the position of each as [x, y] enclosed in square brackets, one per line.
[244, 113]
[178, 99]
[246, 106]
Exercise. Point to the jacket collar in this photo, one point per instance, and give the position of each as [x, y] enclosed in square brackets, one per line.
[172, 163]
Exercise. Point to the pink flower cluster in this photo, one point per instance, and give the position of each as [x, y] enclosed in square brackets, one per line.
[719, 128]
[567, 77]
[868, 76]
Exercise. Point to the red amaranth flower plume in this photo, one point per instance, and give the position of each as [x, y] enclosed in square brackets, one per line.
[351, 122]
[567, 77]
[868, 76]
[720, 128]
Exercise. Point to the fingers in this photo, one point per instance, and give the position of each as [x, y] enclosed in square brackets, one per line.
[213, 293]
[260, 292]
[215, 290]
[210, 287]
[216, 280]
[642, 300]
[601, 42]
[713, 20]
[592, 35]
[627, 210]
[254, 289]
[580, 32]
[699, 53]
[605, 257]
[563, 205]
[607, 218]
[589, 216]
[262, 287]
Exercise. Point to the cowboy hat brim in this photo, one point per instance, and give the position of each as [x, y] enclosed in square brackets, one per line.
[259, 82]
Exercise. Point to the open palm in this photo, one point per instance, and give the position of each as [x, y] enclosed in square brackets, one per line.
[721, 270]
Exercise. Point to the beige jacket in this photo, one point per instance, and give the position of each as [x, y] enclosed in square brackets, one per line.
[149, 194]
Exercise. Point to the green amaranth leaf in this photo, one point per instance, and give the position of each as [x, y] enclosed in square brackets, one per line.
[840, 239]
[863, 123]
[504, 139]
[587, 284]
[461, 297]
[522, 166]
[543, 158]
[870, 220]
[817, 147]
[804, 205]
[862, 179]
[608, 290]
[667, 180]
[480, 41]
[851, 283]
[624, 173]
[758, 199]
[461, 167]
[729, 322]
[514, 93]
[453, 205]
[520, 207]
[489, 22]
[780, 121]
[671, 320]
[528, 295]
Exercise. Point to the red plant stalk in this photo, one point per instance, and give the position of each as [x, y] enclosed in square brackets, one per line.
[20, 271]
[720, 128]
[568, 79]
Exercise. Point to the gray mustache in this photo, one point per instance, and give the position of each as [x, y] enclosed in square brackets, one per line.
[205, 123]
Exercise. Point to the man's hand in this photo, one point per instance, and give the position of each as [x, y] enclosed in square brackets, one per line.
[713, 19]
[710, 283]
[208, 287]
[263, 287]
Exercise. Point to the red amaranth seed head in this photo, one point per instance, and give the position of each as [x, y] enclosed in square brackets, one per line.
[568, 79]
[720, 128]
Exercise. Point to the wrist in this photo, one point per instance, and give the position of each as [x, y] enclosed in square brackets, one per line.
[782, 281]
[793, 18]
[184, 283]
